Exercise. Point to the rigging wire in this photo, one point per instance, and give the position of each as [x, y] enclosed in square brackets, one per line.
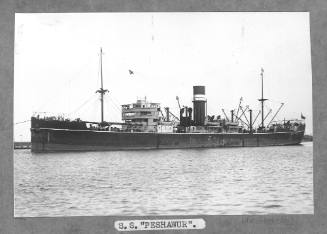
[117, 108]
[91, 110]
[66, 85]
[115, 102]
[113, 112]
[118, 111]
[82, 105]
[274, 101]
[23, 121]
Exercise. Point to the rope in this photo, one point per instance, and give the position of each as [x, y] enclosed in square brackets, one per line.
[94, 110]
[274, 101]
[65, 85]
[23, 121]
[84, 103]
[116, 104]
[116, 108]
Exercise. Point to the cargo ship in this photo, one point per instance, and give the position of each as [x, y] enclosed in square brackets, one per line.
[145, 125]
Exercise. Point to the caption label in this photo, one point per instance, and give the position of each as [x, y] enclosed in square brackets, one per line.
[159, 224]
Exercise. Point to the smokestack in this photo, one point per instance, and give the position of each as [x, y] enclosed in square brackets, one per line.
[199, 105]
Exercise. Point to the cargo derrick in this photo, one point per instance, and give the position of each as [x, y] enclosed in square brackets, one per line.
[240, 122]
[144, 128]
[201, 122]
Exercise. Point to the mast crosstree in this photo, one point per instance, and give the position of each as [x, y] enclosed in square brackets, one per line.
[101, 90]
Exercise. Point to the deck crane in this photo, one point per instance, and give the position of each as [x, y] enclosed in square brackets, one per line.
[243, 122]
[225, 114]
[239, 118]
[281, 105]
[162, 114]
[243, 113]
[174, 116]
[179, 105]
[256, 117]
[239, 106]
[267, 114]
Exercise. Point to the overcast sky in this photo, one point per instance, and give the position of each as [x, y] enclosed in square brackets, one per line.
[57, 62]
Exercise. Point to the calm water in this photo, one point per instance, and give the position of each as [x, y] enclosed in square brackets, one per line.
[165, 182]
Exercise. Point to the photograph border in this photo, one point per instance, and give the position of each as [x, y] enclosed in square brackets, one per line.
[214, 223]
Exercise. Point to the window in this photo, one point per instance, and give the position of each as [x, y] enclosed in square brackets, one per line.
[129, 114]
[146, 113]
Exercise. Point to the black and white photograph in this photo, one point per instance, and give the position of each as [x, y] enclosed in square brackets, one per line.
[151, 114]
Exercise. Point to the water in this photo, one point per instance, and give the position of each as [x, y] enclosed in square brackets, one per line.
[230, 181]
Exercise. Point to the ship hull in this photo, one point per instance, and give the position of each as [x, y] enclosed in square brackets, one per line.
[56, 140]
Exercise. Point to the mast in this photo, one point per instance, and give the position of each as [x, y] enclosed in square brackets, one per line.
[262, 100]
[101, 90]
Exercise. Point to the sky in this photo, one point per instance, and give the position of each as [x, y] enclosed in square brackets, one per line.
[57, 63]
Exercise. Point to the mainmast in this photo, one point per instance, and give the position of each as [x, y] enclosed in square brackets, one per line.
[101, 90]
[262, 100]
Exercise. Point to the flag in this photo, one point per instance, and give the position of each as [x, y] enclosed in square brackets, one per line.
[302, 116]
[131, 72]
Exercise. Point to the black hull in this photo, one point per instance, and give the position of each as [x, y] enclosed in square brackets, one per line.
[56, 140]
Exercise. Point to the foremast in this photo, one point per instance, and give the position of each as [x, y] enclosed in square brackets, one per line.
[101, 90]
